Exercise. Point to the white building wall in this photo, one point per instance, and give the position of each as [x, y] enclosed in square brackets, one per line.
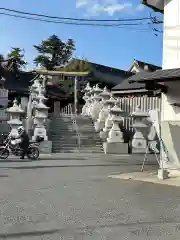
[171, 38]
[171, 58]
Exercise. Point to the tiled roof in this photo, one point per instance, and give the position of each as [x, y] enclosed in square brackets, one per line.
[125, 85]
[23, 82]
[158, 76]
[151, 67]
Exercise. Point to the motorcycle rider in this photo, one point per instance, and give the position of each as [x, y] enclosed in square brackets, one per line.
[24, 144]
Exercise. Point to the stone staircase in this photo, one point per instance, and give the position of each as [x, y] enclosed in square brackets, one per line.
[75, 134]
[63, 135]
[89, 139]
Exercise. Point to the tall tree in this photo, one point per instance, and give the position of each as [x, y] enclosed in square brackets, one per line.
[54, 52]
[78, 65]
[18, 55]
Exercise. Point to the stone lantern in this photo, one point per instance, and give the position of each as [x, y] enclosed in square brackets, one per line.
[108, 122]
[15, 112]
[85, 109]
[34, 90]
[41, 114]
[97, 105]
[139, 141]
[91, 101]
[100, 123]
[115, 142]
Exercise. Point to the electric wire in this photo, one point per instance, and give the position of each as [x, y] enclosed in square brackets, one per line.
[76, 19]
[75, 23]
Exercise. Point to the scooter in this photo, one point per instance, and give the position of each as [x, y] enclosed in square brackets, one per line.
[11, 146]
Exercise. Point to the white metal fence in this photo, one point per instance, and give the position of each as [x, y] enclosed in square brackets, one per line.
[129, 105]
[145, 103]
[67, 110]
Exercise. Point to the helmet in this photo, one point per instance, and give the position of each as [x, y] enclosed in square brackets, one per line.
[21, 129]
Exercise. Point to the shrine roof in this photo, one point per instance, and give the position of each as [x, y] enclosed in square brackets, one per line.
[157, 76]
[20, 83]
[142, 64]
[23, 82]
[125, 85]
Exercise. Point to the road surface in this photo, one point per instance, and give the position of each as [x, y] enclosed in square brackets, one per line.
[75, 200]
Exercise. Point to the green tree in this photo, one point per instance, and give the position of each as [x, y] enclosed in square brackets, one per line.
[18, 55]
[54, 52]
[78, 65]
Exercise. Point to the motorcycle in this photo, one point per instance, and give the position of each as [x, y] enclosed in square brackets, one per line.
[11, 146]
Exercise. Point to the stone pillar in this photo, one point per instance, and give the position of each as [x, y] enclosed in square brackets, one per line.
[139, 141]
[24, 103]
[15, 112]
[56, 108]
[41, 115]
[34, 89]
[85, 109]
[100, 123]
[108, 122]
[115, 142]
[97, 104]
[91, 101]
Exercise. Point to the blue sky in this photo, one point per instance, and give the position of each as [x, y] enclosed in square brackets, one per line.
[114, 47]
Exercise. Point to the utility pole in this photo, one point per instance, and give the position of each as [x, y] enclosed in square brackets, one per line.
[75, 94]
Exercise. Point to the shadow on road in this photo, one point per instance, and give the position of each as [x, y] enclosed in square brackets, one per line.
[89, 230]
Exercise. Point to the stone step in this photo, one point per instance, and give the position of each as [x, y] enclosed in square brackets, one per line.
[65, 151]
[65, 144]
[65, 137]
[64, 148]
[57, 131]
[62, 131]
[62, 126]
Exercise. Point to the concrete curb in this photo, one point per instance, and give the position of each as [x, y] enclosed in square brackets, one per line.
[148, 176]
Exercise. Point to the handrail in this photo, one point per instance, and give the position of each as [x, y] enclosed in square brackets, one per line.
[75, 126]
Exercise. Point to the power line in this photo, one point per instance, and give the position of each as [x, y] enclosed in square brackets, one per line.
[76, 19]
[75, 23]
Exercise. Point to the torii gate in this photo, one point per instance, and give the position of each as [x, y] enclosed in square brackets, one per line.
[74, 75]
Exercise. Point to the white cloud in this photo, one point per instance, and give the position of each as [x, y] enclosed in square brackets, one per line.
[97, 7]
[110, 9]
[81, 3]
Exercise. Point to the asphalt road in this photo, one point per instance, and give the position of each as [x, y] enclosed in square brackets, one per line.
[53, 200]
